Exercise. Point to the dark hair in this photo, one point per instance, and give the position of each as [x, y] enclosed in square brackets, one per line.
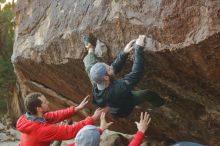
[32, 102]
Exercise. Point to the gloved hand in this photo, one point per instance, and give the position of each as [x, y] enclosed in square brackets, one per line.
[129, 47]
[141, 40]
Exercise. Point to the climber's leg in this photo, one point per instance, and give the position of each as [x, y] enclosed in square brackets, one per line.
[147, 95]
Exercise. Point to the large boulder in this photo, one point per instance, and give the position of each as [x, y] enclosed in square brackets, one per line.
[182, 57]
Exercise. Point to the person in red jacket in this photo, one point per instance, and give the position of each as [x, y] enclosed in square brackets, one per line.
[90, 135]
[36, 125]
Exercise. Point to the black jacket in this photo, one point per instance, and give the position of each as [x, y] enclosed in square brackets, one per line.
[118, 95]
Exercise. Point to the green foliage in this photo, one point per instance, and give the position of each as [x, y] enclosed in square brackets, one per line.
[3, 104]
[6, 31]
[7, 77]
[2, 1]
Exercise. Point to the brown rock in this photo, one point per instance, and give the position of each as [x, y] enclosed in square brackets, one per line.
[183, 58]
[110, 138]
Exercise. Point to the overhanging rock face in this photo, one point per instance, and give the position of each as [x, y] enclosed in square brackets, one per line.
[182, 57]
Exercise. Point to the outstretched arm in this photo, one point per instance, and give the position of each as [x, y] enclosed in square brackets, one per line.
[62, 132]
[60, 115]
[142, 127]
[134, 76]
[51, 132]
[120, 60]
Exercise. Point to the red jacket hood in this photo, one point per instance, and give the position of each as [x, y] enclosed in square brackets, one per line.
[24, 125]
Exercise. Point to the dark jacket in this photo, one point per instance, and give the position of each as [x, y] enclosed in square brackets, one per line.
[118, 95]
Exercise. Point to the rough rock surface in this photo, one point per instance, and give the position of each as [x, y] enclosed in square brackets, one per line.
[8, 135]
[182, 57]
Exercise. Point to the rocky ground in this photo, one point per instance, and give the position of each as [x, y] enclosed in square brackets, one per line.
[8, 136]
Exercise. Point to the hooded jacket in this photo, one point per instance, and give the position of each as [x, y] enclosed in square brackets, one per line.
[37, 133]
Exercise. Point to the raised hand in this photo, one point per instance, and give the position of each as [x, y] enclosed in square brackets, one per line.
[83, 103]
[97, 114]
[129, 47]
[103, 123]
[144, 122]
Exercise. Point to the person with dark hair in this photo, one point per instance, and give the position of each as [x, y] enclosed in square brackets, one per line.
[36, 125]
[32, 101]
[118, 95]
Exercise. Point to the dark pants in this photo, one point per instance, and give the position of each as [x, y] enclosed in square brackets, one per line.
[146, 95]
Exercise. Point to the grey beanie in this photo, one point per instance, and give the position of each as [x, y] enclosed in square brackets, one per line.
[97, 73]
[88, 136]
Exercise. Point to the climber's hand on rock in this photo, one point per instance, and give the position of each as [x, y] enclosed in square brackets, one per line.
[129, 47]
[141, 40]
[89, 48]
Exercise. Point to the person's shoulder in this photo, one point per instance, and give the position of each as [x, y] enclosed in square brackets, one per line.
[24, 120]
[118, 83]
[22, 117]
[26, 126]
[118, 86]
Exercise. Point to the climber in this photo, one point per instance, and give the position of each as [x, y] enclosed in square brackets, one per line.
[90, 135]
[37, 125]
[118, 94]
